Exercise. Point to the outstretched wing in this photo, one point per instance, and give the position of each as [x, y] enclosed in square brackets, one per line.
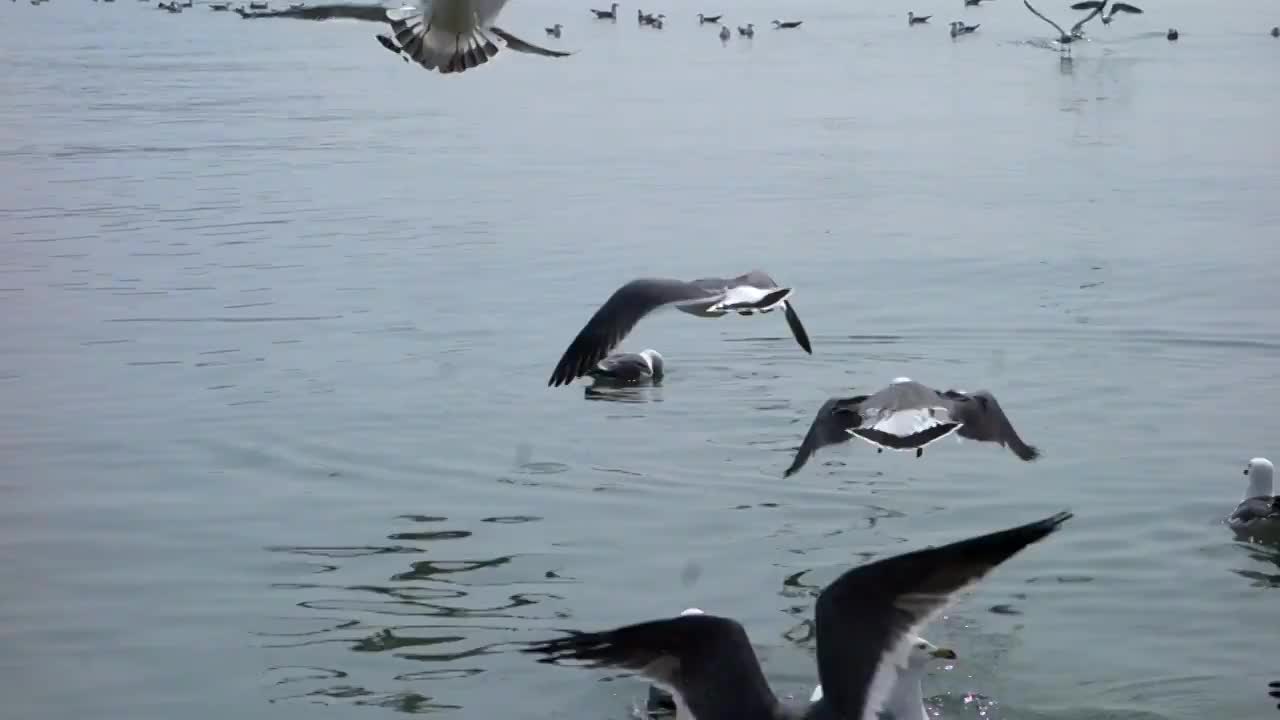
[984, 420]
[1042, 17]
[525, 46]
[830, 426]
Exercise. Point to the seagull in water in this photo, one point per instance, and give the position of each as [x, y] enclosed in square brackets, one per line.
[706, 297]
[748, 31]
[704, 19]
[959, 28]
[452, 35]
[724, 34]
[865, 623]
[624, 368]
[913, 20]
[905, 702]
[610, 14]
[554, 30]
[1258, 514]
[907, 415]
[779, 25]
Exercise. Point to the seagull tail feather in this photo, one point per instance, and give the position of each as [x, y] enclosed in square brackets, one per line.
[439, 49]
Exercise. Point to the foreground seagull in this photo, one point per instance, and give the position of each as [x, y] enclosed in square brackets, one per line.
[452, 35]
[905, 701]
[1258, 514]
[865, 622]
[645, 365]
[907, 415]
[913, 20]
[706, 297]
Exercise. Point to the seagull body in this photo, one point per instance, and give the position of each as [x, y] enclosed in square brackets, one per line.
[1275, 32]
[913, 20]
[554, 30]
[643, 366]
[706, 297]
[725, 34]
[1172, 34]
[748, 31]
[644, 18]
[958, 28]
[452, 36]
[704, 19]
[1258, 514]
[610, 14]
[779, 25]
[907, 415]
[865, 622]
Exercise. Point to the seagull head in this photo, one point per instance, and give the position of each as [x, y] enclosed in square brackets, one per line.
[923, 652]
[1259, 471]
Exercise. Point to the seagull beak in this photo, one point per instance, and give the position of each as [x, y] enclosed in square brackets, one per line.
[944, 653]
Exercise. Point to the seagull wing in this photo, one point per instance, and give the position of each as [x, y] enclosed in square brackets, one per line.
[705, 662]
[616, 318]
[830, 427]
[525, 46]
[1076, 28]
[1125, 7]
[1089, 5]
[797, 328]
[865, 620]
[1042, 17]
[983, 419]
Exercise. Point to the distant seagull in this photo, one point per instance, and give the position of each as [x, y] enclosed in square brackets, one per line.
[1258, 514]
[865, 622]
[913, 20]
[1275, 684]
[704, 19]
[748, 31]
[907, 415]
[725, 34]
[905, 701]
[779, 25]
[657, 22]
[297, 6]
[220, 6]
[644, 18]
[257, 6]
[1064, 38]
[972, 3]
[706, 297]
[554, 30]
[610, 14]
[368, 13]
[625, 368]
[1275, 32]
[1171, 35]
[451, 35]
[959, 28]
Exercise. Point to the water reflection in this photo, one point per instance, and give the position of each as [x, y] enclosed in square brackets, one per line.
[452, 611]
[624, 394]
[1266, 556]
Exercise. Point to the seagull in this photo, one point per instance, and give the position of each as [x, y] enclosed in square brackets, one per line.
[644, 18]
[905, 701]
[657, 22]
[1259, 512]
[972, 3]
[748, 31]
[704, 19]
[370, 13]
[610, 14]
[725, 34]
[1064, 38]
[779, 25]
[1098, 6]
[1275, 32]
[1275, 684]
[450, 35]
[554, 30]
[959, 28]
[1120, 7]
[1170, 36]
[865, 621]
[907, 415]
[220, 6]
[913, 20]
[705, 297]
[629, 367]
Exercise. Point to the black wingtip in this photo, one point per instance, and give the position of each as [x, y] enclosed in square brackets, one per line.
[1027, 453]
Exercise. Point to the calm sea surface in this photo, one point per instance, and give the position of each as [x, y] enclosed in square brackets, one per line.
[277, 312]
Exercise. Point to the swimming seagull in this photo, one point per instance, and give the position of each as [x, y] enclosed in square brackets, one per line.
[704, 19]
[706, 297]
[748, 31]
[913, 20]
[779, 25]
[610, 14]
[1275, 32]
[959, 28]
[724, 34]
[972, 3]
[1258, 514]
[370, 13]
[452, 35]
[1170, 36]
[905, 702]
[1064, 38]
[1275, 684]
[554, 30]
[645, 365]
[907, 415]
[865, 622]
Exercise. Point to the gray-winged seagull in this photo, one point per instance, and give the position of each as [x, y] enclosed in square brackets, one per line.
[864, 622]
[1064, 38]
[905, 701]
[907, 415]
[706, 297]
[453, 35]
[1258, 514]
[645, 365]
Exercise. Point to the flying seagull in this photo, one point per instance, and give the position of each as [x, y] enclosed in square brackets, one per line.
[629, 367]
[1258, 514]
[1064, 38]
[706, 297]
[905, 701]
[452, 35]
[907, 415]
[865, 622]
